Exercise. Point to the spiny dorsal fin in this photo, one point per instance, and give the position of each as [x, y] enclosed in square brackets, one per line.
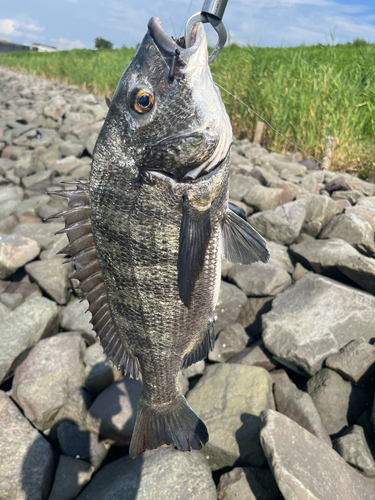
[195, 234]
[242, 244]
[83, 254]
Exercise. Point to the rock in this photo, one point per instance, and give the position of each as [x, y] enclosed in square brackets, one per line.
[231, 300]
[195, 369]
[338, 184]
[69, 148]
[74, 317]
[54, 111]
[38, 182]
[99, 370]
[368, 188]
[248, 483]
[359, 269]
[258, 279]
[279, 375]
[74, 409]
[7, 224]
[299, 271]
[322, 256]
[26, 458]
[231, 340]
[15, 251]
[280, 256]
[353, 361]
[262, 198]
[289, 189]
[11, 300]
[314, 318]
[250, 316]
[352, 446]
[113, 413]
[353, 229]
[351, 197]
[71, 476]
[157, 474]
[319, 208]
[282, 225]
[255, 355]
[299, 406]
[78, 443]
[44, 234]
[229, 398]
[30, 206]
[338, 403]
[52, 277]
[44, 381]
[264, 176]
[23, 328]
[240, 185]
[61, 241]
[299, 461]
[90, 144]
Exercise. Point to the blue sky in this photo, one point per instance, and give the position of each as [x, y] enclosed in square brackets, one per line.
[76, 23]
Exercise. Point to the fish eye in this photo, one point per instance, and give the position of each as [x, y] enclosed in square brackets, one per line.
[141, 99]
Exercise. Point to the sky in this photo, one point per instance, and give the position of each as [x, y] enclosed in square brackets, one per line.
[68, 24]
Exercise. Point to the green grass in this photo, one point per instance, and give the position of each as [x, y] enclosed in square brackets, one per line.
[305, 92]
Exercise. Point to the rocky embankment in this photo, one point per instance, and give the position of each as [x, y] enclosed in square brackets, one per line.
[288, 392]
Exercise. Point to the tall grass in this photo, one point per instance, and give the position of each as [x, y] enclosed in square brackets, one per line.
[305, 92]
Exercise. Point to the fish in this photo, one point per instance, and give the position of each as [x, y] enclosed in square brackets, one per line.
[148, 230]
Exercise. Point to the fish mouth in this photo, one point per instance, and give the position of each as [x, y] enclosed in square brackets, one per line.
[167, 46]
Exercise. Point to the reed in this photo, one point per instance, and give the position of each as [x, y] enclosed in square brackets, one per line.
[305, 92]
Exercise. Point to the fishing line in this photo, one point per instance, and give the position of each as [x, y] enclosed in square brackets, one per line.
[325, 167]
[186, 18]
[277, 132]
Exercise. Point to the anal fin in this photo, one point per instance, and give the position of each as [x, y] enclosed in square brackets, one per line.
[202, 350]
[242, 244]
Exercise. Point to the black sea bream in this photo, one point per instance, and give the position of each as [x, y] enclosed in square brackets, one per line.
[148, 231]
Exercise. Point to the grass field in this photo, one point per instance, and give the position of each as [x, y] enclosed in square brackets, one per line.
[306, 92]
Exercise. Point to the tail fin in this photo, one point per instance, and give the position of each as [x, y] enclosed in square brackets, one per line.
[173, 423]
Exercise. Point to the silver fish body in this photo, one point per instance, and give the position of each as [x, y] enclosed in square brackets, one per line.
[148, 232]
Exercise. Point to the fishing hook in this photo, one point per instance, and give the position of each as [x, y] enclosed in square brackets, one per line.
[212, 12]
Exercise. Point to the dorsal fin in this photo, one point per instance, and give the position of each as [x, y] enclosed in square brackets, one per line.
[84, 256]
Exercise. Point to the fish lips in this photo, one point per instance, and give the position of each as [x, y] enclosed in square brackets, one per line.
[188, 57]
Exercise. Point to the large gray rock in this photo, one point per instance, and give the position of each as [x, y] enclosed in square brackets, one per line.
[353, 229]
[231, 340]
[44, 234]
[26, 458]
[314, 318]
[44, 381]
[240, 185]
[338, 403]
[353, 361]
[230, 302]
[77, 442]
[15, 252]
[248, 483]
[352, 446]
[74, 409]
[229, 398]
[280, 256]
[251, 313]
[113, 413]
[299, 462]
[52, 277]
[99, 370]
[74, 317]
[23, 328]
[71, 476]
[282, 225]
[156, 475]
[255, 355]
[259, 280]
[299, 406]
[320, 208]
[359, 269]
[367, 213]
[262, 198]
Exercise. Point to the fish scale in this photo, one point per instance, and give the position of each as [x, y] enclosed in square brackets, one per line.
[148, 231]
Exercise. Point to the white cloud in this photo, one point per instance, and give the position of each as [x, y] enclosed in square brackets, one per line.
[63, 43]
[21, 25]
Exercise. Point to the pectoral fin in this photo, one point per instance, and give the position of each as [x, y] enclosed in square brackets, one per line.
[242, 244]
[195, 234]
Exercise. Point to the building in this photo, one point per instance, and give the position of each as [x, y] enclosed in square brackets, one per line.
[7, 46]
[40, 47]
